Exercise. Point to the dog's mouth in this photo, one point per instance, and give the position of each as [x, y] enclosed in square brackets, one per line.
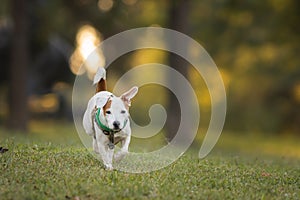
[116, 129]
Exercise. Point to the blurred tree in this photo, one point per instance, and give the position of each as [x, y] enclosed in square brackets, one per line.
[178, 20]
[256, 44]
[18, 113]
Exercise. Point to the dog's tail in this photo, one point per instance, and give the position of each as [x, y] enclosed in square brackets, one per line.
[100, 80]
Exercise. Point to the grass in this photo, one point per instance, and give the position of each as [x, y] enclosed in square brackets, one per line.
[44, 167]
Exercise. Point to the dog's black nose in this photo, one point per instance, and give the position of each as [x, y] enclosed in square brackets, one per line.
[116, 124]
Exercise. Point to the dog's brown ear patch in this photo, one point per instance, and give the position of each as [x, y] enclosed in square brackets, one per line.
[107, 106]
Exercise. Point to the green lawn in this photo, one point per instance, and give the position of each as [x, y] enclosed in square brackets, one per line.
[41, 166]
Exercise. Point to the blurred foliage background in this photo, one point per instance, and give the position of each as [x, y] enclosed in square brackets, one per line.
[255, 45]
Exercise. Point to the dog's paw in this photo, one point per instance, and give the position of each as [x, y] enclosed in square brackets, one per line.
[120, 155]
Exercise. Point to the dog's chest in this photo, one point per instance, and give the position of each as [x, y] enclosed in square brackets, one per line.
[120, 134]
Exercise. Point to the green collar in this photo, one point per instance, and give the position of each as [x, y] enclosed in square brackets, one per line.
[103, 127]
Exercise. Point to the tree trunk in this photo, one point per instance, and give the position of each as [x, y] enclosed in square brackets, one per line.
[178, 20]
[18, 113]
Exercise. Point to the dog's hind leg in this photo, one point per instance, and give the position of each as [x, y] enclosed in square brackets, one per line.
[95, 146]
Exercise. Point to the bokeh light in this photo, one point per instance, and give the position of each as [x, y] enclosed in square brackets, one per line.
[87, 41]
[105, 5]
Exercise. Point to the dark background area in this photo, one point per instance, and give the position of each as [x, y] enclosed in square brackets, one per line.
[255, 45]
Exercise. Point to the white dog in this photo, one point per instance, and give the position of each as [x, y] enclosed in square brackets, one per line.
[107, 120]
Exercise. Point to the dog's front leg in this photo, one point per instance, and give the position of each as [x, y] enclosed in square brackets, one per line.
[110, 154]
[106, 155]
[124, 149]
[100, 144]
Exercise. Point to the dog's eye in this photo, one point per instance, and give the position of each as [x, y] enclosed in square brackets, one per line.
[108, 112]
[123, 111]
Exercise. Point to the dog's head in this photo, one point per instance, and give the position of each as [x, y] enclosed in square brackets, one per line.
[115, 110]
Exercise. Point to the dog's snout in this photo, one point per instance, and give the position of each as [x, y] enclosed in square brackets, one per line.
[116, 124]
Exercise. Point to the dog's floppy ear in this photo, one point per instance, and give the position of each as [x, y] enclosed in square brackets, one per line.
[101, 101]
[127, 96]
